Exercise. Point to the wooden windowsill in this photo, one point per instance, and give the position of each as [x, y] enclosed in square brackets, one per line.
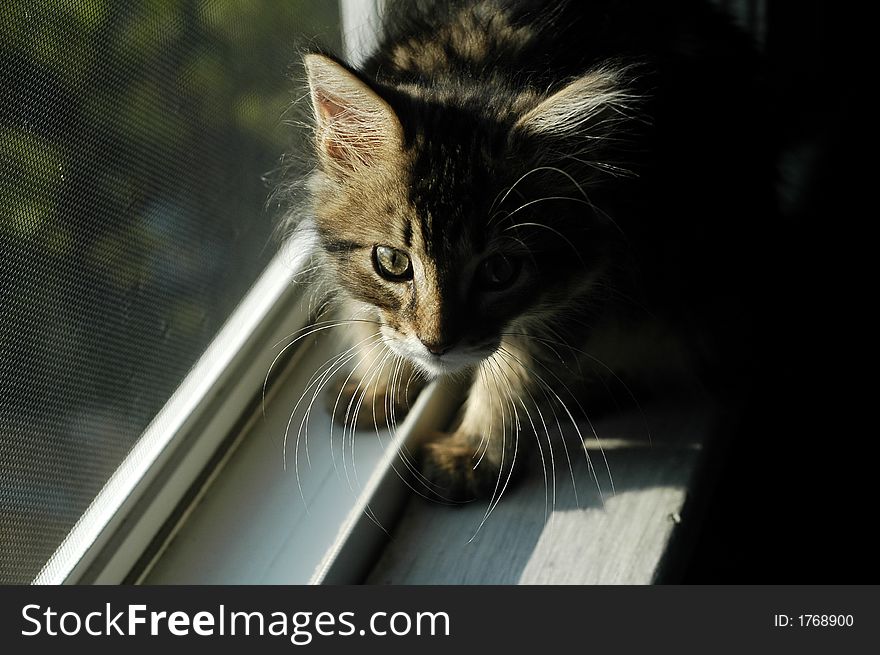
[630, 538]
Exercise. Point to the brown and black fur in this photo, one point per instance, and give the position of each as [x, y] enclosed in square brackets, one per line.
[610, 150]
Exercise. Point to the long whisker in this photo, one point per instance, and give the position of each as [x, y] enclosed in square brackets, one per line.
[375, 380]
[354, 407]
[405, 456]
[312, 329]
[412, 468]
[340, 361]
[371, 374]
[554, 231]
[368, 353]
[541, 380]
[545, 199]
[496, 494]
[580, 188]
[607, 368]
[318, 378]
[537, 436]
[368, 510]
[315, 380]
[485, 438]
[513, 186]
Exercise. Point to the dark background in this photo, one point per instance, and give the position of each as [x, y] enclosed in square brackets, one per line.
[795, 495]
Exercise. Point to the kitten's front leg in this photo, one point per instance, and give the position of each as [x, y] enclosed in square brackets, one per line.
[489, 447]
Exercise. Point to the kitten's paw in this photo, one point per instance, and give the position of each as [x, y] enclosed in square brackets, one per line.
[450, 466]
[350, 404]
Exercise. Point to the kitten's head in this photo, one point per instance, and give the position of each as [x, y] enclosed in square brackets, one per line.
[458, 215]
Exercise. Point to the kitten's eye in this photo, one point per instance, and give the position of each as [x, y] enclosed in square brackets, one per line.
[497, 272]
[392, 264]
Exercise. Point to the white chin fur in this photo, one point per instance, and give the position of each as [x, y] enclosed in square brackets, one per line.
[413, 350]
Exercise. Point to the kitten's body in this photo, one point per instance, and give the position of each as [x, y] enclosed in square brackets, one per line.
[566, 185]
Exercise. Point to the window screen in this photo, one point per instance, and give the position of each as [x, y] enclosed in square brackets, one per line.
[134, 143]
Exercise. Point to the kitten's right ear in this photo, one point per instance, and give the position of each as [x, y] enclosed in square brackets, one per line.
[354, 124]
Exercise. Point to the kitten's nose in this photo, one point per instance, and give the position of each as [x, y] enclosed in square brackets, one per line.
[436, 348]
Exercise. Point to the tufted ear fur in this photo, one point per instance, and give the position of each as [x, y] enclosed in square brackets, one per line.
[590, 122]
[596, 99]
[354, 125]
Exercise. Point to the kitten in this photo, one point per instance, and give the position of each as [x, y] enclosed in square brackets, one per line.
[537, 196]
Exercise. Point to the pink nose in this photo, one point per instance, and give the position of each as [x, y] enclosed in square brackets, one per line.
[436, 348]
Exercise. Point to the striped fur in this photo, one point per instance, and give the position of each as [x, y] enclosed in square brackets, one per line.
[516, 141]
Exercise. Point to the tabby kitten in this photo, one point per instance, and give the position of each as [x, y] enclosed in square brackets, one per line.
[505, 188]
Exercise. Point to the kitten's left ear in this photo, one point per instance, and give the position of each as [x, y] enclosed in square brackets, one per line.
[581, 108]
[354, 124]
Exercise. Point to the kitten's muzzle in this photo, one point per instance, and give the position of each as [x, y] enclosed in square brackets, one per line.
[437, 348]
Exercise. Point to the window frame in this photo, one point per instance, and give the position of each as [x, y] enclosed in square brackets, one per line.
[143, 492]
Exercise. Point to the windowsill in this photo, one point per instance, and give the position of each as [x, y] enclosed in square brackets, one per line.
[637, 535]
[176, 446]
[259, 522]
[250, 524]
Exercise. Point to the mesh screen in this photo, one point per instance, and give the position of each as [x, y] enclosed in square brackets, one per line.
[133, 142]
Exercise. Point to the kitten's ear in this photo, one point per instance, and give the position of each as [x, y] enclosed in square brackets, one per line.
[354, 124]
[583, 107]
